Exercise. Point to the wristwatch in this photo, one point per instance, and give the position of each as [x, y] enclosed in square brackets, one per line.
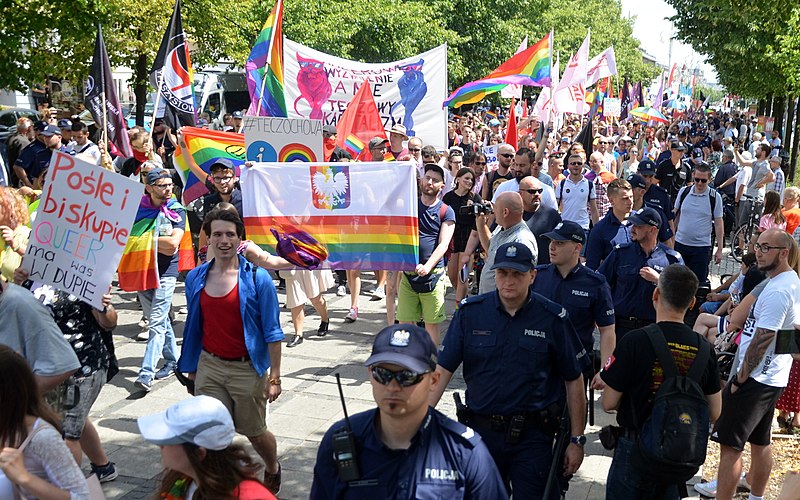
[579, 440]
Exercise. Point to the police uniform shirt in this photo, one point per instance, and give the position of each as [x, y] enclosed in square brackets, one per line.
[512, 364]
[601, 241]
[584, 294]
[634, 370]
[27, 157]
[657, 197]
[445, 460]
[672, 178]
[632, 294]
[543, 220]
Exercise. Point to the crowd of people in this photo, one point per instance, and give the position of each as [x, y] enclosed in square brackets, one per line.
[566, 259]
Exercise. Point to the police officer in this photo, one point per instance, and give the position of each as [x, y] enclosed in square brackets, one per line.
[27, 157]
[403, 448]
[656, 196]
[584, 293]
[518, 350]
[632, 270]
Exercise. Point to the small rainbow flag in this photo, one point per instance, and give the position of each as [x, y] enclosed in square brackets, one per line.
[353, 145]
[138, 268]
[206, 147]
[529, 67]
[264, 68]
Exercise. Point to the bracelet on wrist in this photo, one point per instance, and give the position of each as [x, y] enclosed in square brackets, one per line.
[275, 381]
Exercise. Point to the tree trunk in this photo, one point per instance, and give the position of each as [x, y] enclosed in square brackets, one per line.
[778, 111]
[795, 140]
[762, 107]
[140, 87]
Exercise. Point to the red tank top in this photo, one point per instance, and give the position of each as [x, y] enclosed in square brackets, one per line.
[223, 331]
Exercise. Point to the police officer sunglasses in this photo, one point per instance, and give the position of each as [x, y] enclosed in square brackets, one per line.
[406, 378]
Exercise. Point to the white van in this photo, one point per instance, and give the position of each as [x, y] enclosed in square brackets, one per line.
[219, 93]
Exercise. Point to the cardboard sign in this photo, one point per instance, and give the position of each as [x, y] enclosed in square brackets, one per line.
[81, 228]
[491, 157]
[269, 139]
[612, 107]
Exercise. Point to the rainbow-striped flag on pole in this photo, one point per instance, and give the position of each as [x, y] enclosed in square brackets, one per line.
[361, 215]
[205, 147]
[264, 68]
[529, 67]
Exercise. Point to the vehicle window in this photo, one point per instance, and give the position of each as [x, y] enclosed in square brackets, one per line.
[8, 119]
[212, 105]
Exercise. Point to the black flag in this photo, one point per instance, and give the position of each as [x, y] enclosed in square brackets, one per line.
[173, 77]
[625, 102]
[586, 137]
[100, 80]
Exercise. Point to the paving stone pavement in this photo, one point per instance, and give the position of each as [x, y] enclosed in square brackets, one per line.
[307, 407]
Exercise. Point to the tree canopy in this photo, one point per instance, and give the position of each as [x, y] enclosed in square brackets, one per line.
[37, 42]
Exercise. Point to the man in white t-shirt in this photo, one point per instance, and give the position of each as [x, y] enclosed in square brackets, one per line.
[82, 146]
[576, 196]
[749, 399]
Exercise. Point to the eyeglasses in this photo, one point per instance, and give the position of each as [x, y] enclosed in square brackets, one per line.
[764, 248]
[223, 180]
[703, 181]
[405, 378]
[575, 163]
[603, 142]
[480, 163]
[533, 191]
[506, 155]
[414, 150]
[163, 186]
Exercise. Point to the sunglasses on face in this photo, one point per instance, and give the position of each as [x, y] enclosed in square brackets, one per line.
[703, 181]
[533, 191]
[415, 150]
[506, 155]
[573, 163]
[480, 163]
[405, 378]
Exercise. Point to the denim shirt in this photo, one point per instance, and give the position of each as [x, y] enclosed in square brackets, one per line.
[259, 309]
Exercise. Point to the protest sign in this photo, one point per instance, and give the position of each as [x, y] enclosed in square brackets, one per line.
[82, 225]
[409, 91]
[491, 157]
[353, 215]
[271, 139]
[612, 107]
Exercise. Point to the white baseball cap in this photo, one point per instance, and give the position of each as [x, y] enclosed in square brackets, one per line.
[201, 420]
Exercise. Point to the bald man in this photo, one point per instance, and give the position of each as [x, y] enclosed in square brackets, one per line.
[508, 211]
[539, 218]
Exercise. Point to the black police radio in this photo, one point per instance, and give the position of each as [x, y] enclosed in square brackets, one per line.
[344, 446]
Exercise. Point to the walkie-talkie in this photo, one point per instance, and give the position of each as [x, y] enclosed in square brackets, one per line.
[344, 445]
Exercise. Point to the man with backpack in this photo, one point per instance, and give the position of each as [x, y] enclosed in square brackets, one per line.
[576, 196]
[698, 211]
[420, 293]
[663, 381]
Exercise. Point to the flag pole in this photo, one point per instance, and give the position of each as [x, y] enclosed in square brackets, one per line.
[269, 58]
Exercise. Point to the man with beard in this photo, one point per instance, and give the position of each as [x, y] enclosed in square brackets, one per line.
[539, 218]
[522, 166]
[505, 155]
[34, 158]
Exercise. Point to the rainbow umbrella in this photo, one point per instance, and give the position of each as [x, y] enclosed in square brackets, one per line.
[646, 113]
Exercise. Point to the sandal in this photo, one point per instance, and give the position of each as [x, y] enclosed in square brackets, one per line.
[273, 481]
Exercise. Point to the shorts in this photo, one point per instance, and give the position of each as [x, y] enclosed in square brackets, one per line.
[746, 415]
[411, 305]
[74, 408]
[238, 386]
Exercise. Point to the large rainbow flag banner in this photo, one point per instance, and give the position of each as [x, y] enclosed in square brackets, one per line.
[264, 68]
[363, 214]
[205, 147]
[528, 67]
[138, 269]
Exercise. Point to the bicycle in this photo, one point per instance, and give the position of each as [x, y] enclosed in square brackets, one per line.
[744, 233]
[728, 215]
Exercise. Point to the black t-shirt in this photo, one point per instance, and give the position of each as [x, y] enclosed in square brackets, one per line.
[635, 371]
[673, 179]
[753, 277]
[544, 220]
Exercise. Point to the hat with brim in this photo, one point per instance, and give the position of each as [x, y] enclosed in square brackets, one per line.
[434, 167]
[406, 345]
[514, 255]
[201, 420]
[645, 217]
[567, 231]
[398, 129]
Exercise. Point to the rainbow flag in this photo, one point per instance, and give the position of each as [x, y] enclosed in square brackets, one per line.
[205, 147]
[264, 68]
[354, 145]
[138, 269]
[364, 215]
[529, 67]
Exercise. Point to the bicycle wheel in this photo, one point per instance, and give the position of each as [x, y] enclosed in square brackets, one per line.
[737, 252]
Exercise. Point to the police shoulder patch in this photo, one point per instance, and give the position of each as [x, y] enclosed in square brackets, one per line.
[475, 299]
[459, 432]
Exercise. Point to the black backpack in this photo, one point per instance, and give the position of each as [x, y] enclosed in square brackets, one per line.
[671, 444]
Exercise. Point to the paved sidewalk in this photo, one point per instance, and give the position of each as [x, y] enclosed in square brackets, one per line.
[307, 407]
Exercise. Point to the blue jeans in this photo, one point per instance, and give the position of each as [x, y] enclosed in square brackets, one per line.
[156, 304]
[625, 483]
[696, 259]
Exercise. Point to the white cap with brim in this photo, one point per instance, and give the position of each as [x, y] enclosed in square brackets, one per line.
[200, 420]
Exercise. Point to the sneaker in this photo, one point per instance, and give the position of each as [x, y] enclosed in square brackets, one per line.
[273, 481]
[378, 294]
[708, 489]
[341, 291]
[143, 322]
[166, 371]
[144, 382]
[143, 335]
[295, 341]
[352, 315]
[743, 482]
[105, 473]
